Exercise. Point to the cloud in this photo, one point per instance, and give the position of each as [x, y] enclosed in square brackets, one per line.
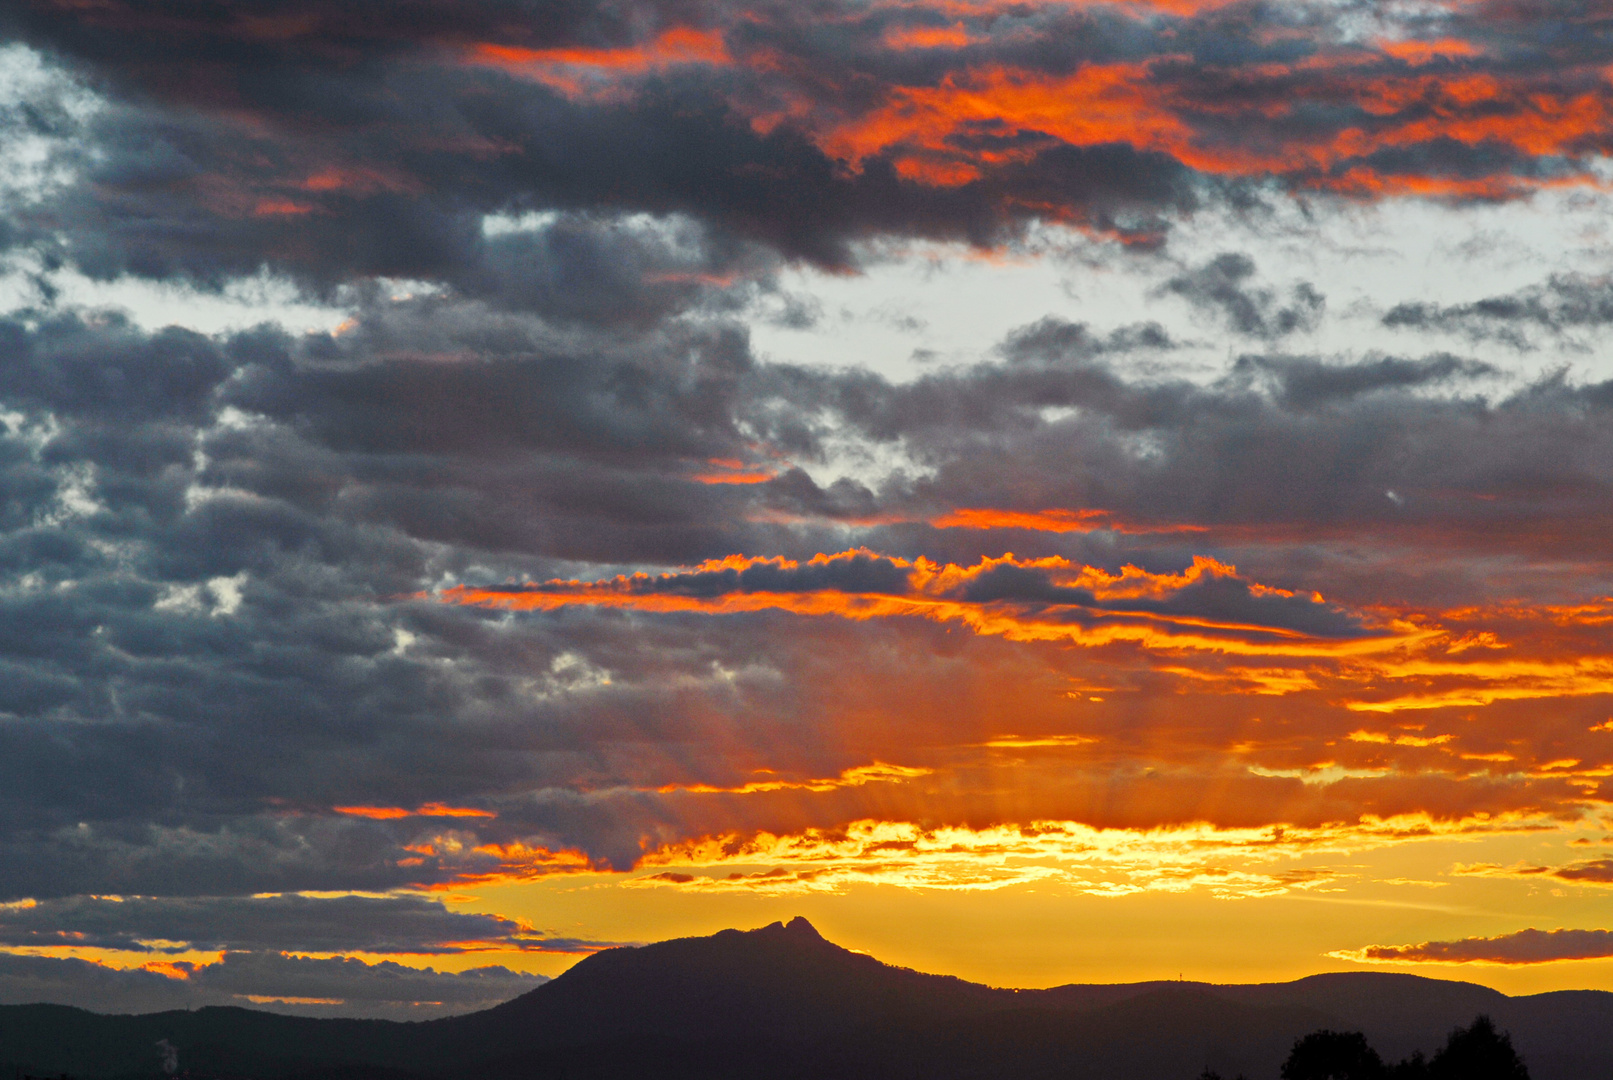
[393, 924]
[760, 125]
[1307, 383]
[226, 552]
[1207, 598]
[1565, 303]
[300, 986]
[1062, 428]
[1529, 946]
[1221, 286]
[1583, 872]
[1228, 863]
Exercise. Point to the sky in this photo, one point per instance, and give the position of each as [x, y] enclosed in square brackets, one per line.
[1051, 492]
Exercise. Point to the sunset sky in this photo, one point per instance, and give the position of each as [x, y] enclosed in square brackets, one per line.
[1051, 492]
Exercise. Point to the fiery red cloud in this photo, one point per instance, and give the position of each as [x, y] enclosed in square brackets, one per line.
[983, 115]
[580, 71]
[1055, 521]
[1468, 106]
[1063, 601]
[1366, 730]
[389, 813]
[1400, 661]
[734, 471]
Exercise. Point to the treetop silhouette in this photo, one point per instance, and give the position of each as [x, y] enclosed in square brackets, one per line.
[1476, 1052]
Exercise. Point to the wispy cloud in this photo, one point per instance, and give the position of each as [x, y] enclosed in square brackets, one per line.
[1529, 946]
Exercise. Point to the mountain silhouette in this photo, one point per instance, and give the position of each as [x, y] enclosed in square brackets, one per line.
[782, 981]
[782, 1001]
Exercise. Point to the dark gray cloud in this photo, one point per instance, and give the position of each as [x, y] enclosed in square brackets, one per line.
[334, 147]
[1565, 303]
[1053, 341]
[211, 644]
[857, 572]
[610, 270]
[1305, 382]
[1223, 287]
[1244, 450]
[1529, 946]
[300, 986]
[344, 171]
[393, 924]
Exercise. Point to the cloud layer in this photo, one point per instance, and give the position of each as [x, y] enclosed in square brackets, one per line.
[300, 986]
[800, 132]
[538, 560]
[343, 924]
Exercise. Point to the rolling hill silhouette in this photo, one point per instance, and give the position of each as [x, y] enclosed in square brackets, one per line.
[783, 1002]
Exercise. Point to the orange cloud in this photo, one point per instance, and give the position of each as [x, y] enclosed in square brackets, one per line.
[280, 208]
[988, 115]
[933, 592]
[878, 772]
[1166, 633]
[1015, 742]
[389, 813]
[1055, 521]
[1482, 682]
[579, 72]
[1418, 53]
[1398, 740]
[1225, 862]
[1099, 104]
[360, 181]
[733, 471]
[1471, 109]
[950, 133]
[928, 37]
[1268, 701]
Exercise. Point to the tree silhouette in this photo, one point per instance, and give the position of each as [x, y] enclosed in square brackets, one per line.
[1333, 1055]
[1478, 1052]
[1413, 1068]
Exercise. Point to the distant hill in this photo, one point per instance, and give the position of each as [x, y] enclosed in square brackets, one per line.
[783, 1002]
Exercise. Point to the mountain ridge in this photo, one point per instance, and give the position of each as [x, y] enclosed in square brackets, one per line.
[784, 1001]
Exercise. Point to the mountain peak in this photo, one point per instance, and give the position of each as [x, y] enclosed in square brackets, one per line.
[797, 927]
[782, 980]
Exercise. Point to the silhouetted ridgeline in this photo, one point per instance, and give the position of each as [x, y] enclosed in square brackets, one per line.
[783, 1002]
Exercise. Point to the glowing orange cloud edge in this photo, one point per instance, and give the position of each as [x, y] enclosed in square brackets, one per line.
[1123, 103]
[1054, 521]
[390, 813]
[930, 582]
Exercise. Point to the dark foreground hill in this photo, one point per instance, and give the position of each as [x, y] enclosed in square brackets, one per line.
[783, 1002]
